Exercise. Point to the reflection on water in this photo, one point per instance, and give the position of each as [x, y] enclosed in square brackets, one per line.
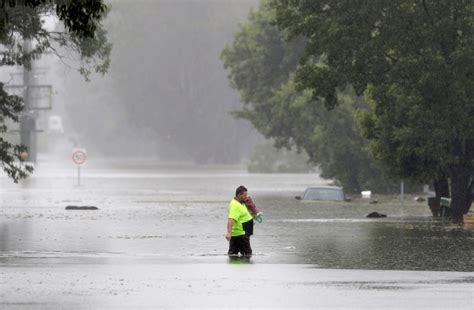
[337, 235]
[179, 215]
[396, 246]
[239, 260]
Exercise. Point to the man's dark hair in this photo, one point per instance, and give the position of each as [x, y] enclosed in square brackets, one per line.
[240, 190]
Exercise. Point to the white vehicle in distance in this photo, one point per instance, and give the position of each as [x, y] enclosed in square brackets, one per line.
[324, 193]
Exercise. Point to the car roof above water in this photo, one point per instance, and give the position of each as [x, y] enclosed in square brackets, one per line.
[325, 186]
[324, 193]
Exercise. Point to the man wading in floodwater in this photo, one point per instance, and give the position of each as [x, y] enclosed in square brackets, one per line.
[240, 224]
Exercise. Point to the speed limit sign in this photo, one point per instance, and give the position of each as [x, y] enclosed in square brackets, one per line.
[79, 156]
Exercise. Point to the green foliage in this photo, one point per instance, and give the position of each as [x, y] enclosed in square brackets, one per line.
[10, 108]
[413, 60]
[22, 21]
[81, 17]
[262, 65]
[258, 62]
[83, 34]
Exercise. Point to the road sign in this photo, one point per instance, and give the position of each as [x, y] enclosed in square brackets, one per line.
[79, 156]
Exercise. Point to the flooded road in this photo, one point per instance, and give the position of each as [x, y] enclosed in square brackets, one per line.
[174, 219]
[181, 213]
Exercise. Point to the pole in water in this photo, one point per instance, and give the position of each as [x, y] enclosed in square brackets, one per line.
[402, 192]
[79, 157]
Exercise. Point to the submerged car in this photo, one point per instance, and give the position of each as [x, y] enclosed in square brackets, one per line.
[324, 193]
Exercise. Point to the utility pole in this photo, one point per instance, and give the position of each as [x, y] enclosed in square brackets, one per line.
[36, 99]
[27, 119]
[402, 195]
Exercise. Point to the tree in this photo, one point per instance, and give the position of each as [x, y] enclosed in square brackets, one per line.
[413, 61]
[23, 20]
[261, 64]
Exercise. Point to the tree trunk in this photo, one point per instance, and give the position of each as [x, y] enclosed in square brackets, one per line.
[470, 193]
[460, 191]
[441, 187]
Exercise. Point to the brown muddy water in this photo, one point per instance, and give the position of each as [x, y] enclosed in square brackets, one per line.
[178, 215]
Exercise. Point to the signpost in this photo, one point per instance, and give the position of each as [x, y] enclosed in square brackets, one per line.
[79, 157]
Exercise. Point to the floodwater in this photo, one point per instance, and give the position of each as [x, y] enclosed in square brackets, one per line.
[167, 224]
